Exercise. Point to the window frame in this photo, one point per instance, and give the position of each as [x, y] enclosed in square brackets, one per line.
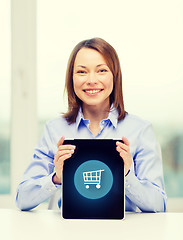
[23, 136]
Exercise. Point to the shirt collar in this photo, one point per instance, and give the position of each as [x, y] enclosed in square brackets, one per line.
[80, 118]
[112, 117]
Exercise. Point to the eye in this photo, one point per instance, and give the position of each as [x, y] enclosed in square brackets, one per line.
[81, 71]
[103, 70]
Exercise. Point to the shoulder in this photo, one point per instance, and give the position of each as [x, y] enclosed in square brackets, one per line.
[58, 120]
[138, 131]
[141, 129]
[133, 126]
[57, 127]
[57, 123]
[135, 121]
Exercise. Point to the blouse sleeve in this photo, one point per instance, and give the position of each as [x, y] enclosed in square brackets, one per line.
[144, 184]
[36, 185]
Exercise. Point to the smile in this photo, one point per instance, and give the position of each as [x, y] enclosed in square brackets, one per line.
[92, 91]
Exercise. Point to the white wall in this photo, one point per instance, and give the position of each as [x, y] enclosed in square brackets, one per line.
[147, 35]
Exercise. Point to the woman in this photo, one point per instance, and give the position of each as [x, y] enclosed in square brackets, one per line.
[96, 110]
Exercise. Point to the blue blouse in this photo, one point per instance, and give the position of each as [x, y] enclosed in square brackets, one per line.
[144, 185]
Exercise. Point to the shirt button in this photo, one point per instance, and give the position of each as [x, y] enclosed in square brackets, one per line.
[128, 186]
[103, 122]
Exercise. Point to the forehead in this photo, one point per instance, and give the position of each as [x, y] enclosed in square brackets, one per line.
[87, 56]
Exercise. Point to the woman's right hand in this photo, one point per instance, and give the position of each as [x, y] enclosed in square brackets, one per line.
[64, 152]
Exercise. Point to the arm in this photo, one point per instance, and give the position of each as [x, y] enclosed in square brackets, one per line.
[36, 185]
[43, 176]
[35, 188]
[144, 183]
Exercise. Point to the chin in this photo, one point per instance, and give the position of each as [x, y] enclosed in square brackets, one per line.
[97, 104]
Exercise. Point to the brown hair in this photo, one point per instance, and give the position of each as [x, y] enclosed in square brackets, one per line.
[112, 60]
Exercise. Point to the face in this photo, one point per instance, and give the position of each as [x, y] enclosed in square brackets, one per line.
[92, 79]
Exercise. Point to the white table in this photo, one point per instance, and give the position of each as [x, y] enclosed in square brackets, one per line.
[48, 224]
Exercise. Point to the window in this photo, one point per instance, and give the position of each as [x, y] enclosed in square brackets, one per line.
[18, 72]
[5, 95]
[150, 50]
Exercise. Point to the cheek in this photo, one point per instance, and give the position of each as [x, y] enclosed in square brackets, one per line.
[109, 83]
[107, 80]
[77, 82]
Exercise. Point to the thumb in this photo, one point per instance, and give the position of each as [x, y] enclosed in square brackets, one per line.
[125, 140]
[61, 141]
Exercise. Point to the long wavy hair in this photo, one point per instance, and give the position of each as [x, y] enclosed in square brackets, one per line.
[112, 60]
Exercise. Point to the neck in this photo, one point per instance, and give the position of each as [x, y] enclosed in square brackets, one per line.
[95, 114]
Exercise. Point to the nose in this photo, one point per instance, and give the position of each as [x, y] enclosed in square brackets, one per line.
[92, 79]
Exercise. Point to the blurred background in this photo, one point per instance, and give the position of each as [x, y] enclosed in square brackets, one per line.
[36, 40]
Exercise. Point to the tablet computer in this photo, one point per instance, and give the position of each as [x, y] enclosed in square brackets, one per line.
[93, 181]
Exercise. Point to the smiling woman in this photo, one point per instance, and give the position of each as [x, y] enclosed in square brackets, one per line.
[147, 46]
[96, 111]
[94, 73]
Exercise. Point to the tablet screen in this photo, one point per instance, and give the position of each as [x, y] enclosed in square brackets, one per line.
[93, 181]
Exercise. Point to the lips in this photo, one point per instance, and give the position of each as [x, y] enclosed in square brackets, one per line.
[92, 91]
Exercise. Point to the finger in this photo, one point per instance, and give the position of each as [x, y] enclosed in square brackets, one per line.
[64, 152]
[66, 147]
[125, 140]
[59, 160]
[61, 153]
[64, 157]
[61, 141]
[122, 146]
[123, 154]
[119, 149]
[125, 144]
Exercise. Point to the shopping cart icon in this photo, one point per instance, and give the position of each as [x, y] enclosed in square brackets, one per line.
[92, 177]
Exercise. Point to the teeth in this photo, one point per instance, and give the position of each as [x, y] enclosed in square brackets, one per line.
[92, 91]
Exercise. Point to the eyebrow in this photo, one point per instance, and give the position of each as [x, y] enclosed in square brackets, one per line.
[81, 66]
[99, 65]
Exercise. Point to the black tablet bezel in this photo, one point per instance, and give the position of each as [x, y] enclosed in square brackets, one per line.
[75, 206]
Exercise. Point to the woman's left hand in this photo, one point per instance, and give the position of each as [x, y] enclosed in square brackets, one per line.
[124, 152]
